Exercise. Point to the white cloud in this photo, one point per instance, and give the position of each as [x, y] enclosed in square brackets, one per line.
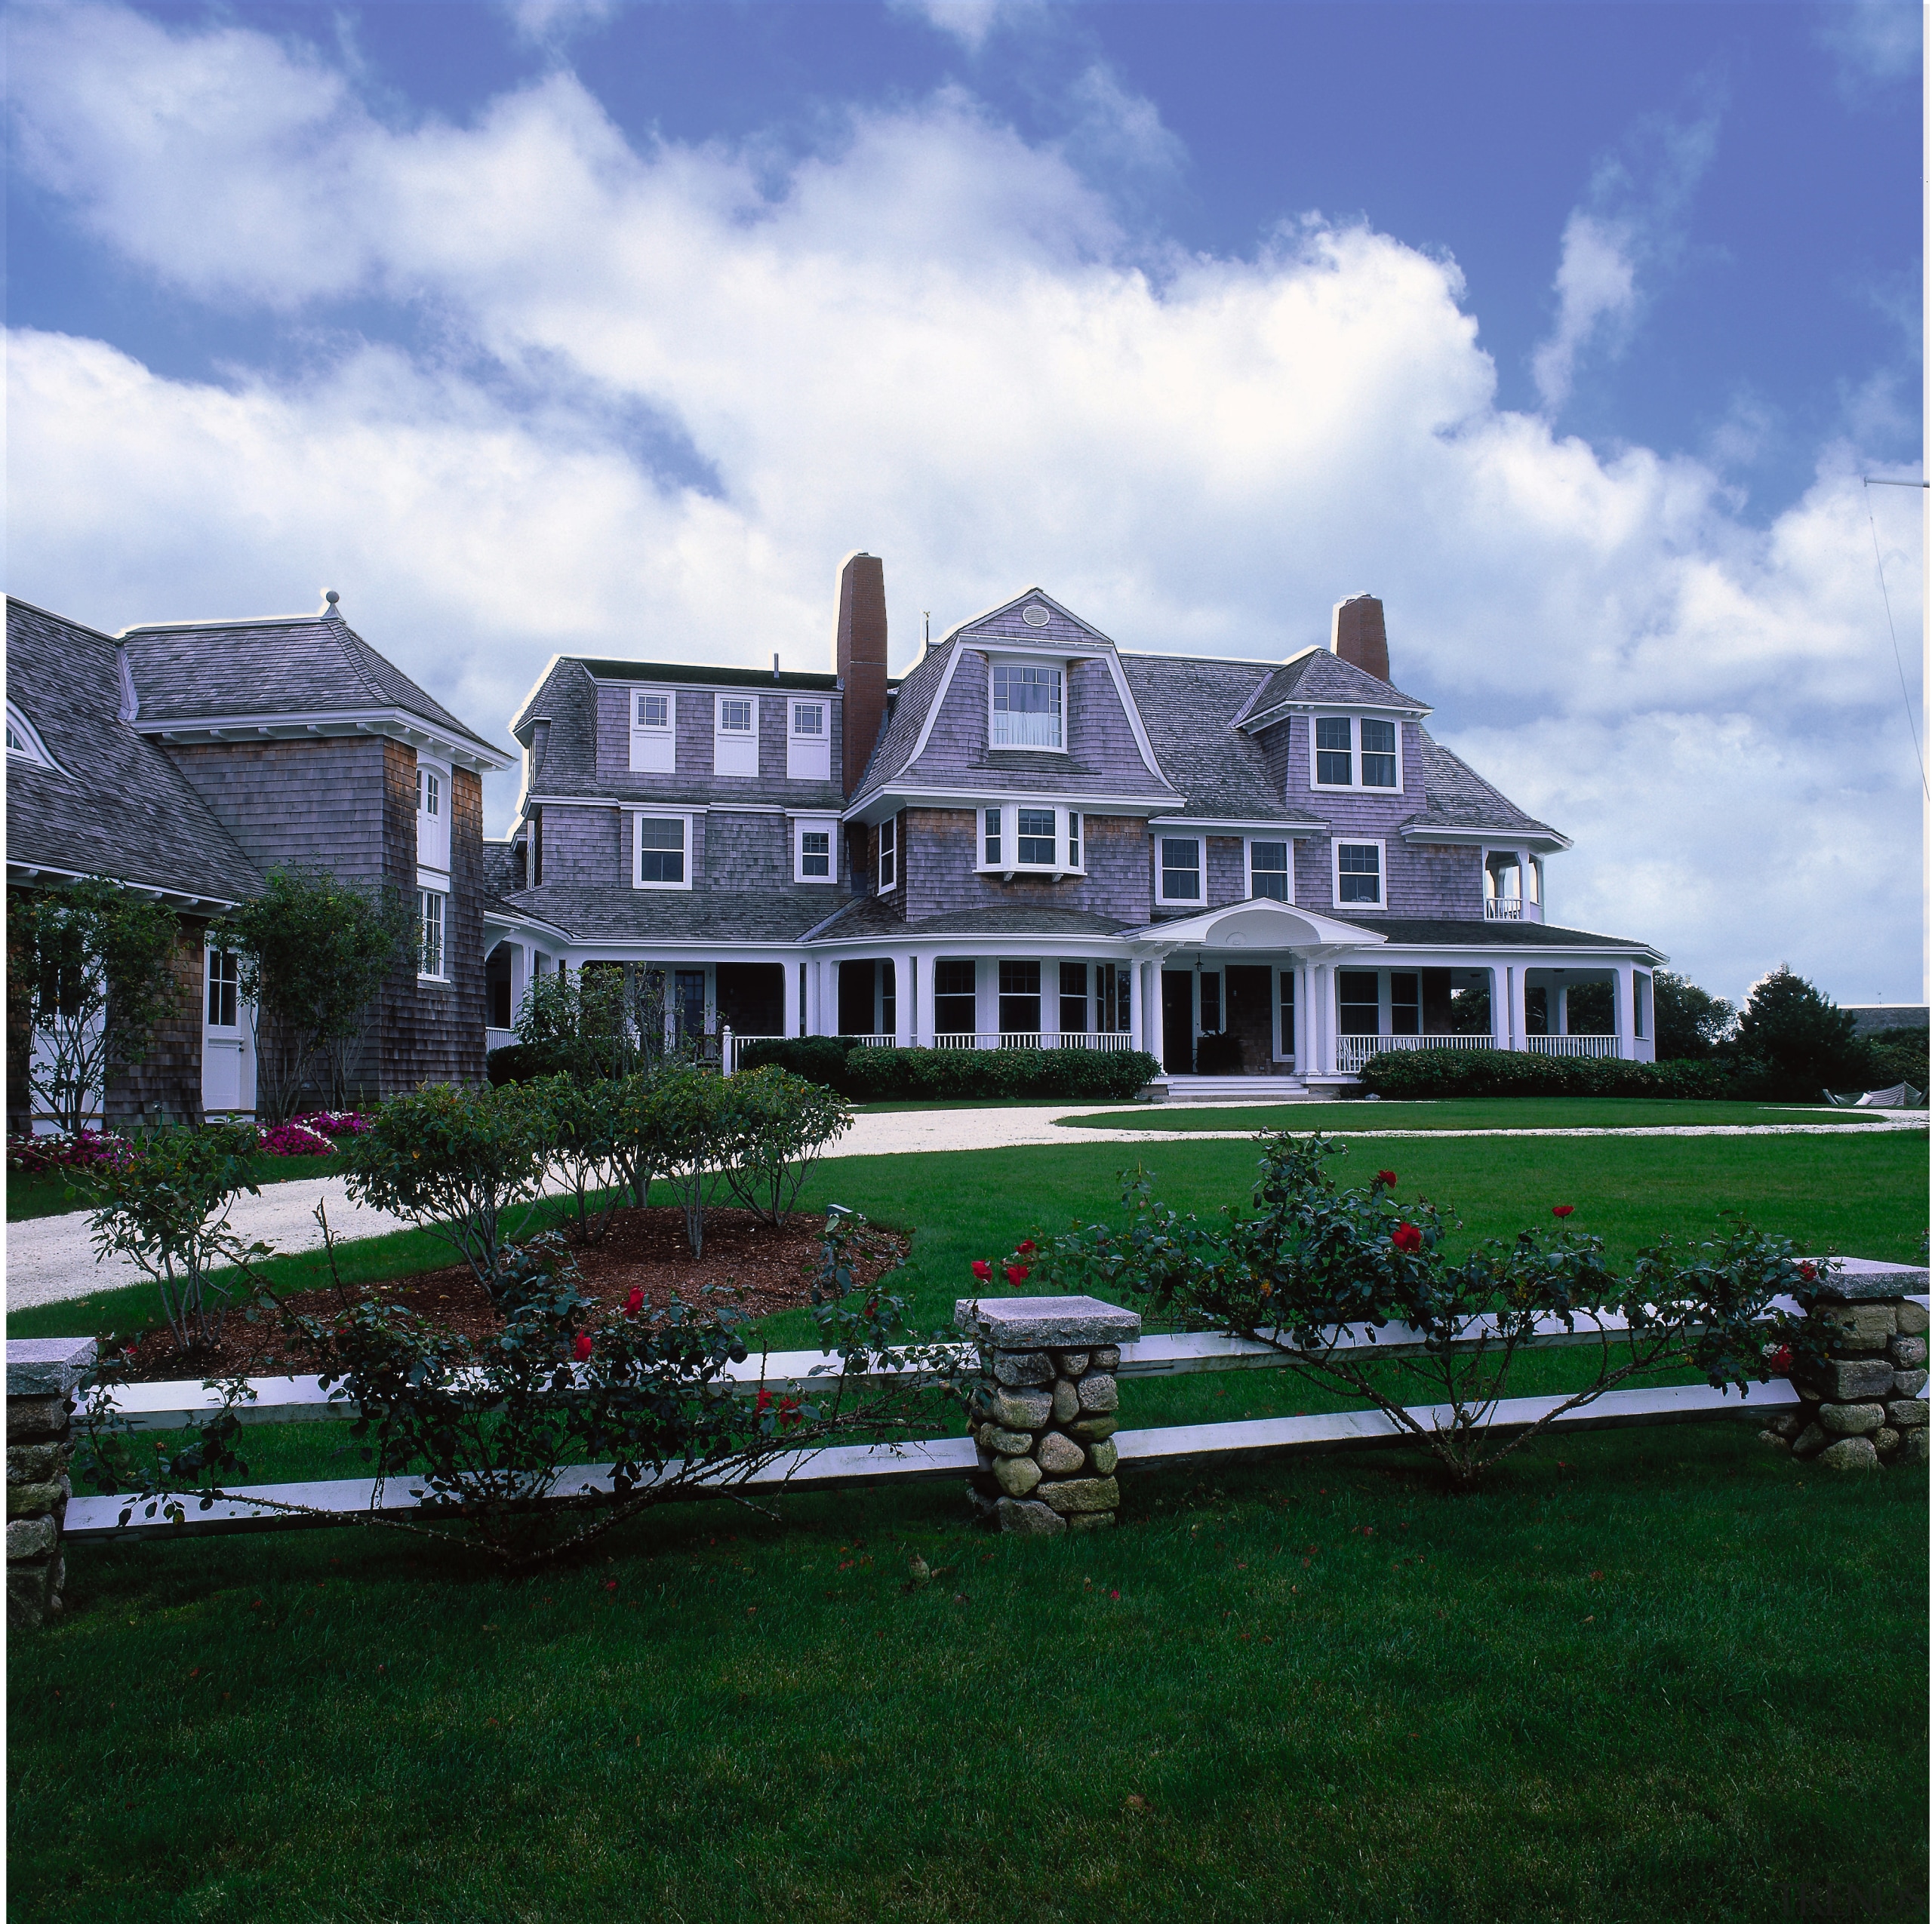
[969, 22]
[935, 341]
[1596, 293]
[1873, 43]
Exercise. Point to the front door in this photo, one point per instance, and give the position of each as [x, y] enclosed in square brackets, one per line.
[1177, 1021]
[222, 1040]
[1251, 1017]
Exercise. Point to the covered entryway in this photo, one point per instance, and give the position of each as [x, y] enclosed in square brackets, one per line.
[1177, 1021]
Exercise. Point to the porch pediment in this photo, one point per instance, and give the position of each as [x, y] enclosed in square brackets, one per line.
[1262, 924]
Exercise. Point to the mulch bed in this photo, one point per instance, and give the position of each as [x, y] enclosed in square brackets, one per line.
[763, 1269]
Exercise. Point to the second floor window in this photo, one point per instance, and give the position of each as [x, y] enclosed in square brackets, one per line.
[1180, 869]
[888, 855]
[1359, 874]
[432, 817]
[1042, 839]
[814, 862]
[1026, 706]
[431, 905]
[428, 791]
[660, 852]
[1268, 871]
[735, 749]
[1036, 837]
[994, 844]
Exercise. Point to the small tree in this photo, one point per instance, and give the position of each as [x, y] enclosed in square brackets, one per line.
[90, 973]
[1690, 1020]
[779, 1125]
[1794, 1038]
[604, 1020]
[313, 953]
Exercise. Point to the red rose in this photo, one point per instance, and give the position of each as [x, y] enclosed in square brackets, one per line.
[1809, 1270]
[1025, 1249]
[983, 1271]
[581, 1349]
[1016, 1272]
[1780, 1360]
[634, 1302]
[1564, 1208]
[1386, 1177]
[1407, 1237]
[788, 1413]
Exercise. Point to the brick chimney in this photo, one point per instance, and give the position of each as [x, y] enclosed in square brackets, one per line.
[1359, 636]
[861, 660]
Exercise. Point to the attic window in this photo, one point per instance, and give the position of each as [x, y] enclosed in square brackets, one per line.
[1027, 707]
[1355, 752]
[22, 740]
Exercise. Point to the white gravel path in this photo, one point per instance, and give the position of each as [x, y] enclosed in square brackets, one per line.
[52, 1260]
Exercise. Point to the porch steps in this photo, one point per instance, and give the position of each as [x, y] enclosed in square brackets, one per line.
[1233, 1089]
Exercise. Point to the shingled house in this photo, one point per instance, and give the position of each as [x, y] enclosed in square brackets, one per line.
[1253, 870]
[186, 759]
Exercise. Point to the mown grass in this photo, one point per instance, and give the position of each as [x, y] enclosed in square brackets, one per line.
[1679, 1677]
[56, 1193]
[1469, 1112]
[1858, 1195]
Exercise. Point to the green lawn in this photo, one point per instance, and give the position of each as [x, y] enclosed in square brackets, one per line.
[29, 1198]
[1469, 1112]
[1675, 1676]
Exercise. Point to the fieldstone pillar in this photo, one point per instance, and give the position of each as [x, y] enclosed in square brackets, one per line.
[41, 1377]
[1045, 1411]
[1866, 1404]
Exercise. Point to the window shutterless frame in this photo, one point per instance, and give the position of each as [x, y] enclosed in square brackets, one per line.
[1355, 751]
[653, 732]
[735, 732]
[814, 848]
[1271, 872]
[888, 855]
[1027, 706]
[1360, 874]
[1033, 838]
[431, 958]
[1180, 868]
[661, 853]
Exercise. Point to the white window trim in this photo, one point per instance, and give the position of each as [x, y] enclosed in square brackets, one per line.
[1006, 658]
[443, 830]
[717, 714]
[1354, 785]
[1335, 848]
[669, 696]
[815, 825]
[897, 854]
[1161, 898]
[639, 815]
[1009, 864]
[794, 702]
[31, 747]
[441, 973]
[1249, 842]
[210, 957]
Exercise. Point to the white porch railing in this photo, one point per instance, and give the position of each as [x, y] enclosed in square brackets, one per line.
[1570, 1045]
[1503, 909]
[1108, 1043]
[1352, 1051]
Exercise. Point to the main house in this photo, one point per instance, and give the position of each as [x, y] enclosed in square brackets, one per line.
[1255, 869]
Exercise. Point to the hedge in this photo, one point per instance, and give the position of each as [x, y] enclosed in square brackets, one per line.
[525, 1061]
[817, 1058]
[937, 1074]
[1421, 1072]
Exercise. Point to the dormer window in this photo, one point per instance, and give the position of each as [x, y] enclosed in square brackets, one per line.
[654, 733]
[735, 749]
[1034, 839]
[888, 855]
[1028, 710]
[24, 741]
[809, 743]
[1356, 751]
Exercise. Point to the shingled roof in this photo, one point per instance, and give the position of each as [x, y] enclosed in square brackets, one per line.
[591, 912]
[115, 805]
[869, 918]
[1317, 675]
[1454, 796]
[295, 665]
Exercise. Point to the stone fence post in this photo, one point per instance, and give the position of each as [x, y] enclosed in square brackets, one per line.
[1044, 1414]
[42, 1375]
[1865, 1406]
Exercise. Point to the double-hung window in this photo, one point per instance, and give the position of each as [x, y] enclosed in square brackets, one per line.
[663, 852]
[812, 849]
[809, 743]
[1028, 704]
[224, 990]
[735, 748]
[1180, 868]
[1020, 998]
[1031, 837]
[654, 732]
[888, 855]
[431, 904]
[1270, 876]
[1359, 876]
[1355, 751]
[955, 996]
[1073, 998]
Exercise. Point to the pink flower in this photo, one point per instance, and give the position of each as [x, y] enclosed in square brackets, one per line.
[1561, 1209]
[983, 1271]
[1407, 1238]
[1016, 1272]
[581, 1348]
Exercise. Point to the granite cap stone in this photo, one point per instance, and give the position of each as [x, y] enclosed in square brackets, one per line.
[1856, 1279]
[48, 1365]
[1045, 1322]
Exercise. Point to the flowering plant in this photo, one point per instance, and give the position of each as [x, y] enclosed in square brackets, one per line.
[91, 1148]
[332, 1122]
[294, 1138]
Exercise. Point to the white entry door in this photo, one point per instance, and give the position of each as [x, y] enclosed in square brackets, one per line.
[224, 1041]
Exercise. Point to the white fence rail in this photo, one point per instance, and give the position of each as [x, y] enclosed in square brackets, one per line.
[1352, 1051]
[1571, 1045]
[1108, 1043]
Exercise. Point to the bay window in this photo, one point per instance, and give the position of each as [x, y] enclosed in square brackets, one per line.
[1030, 836]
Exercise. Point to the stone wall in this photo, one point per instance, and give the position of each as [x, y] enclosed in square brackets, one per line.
[41, 1378]
[1864, 1405]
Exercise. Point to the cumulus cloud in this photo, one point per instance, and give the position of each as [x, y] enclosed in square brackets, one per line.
[1632, 219]
[937, 341]
[1873, 43]
[550, 23]
[969, 22]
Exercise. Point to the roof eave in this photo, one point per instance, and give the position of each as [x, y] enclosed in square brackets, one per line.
[397, 724]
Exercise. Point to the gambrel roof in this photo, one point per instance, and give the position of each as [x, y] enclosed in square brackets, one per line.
[114, 804]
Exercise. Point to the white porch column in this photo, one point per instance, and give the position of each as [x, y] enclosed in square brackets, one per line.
[791, 971]
[1621, 994]
[905, 991]
[1563, 1007]
[921, 968]
[1518, 1008]
[1150, 1001]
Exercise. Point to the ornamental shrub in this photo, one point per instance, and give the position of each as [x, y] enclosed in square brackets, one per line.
[294, 1138]
[819, 1058]
[92, 1148]
[777, 1125]
[943, 1074]
[1793, 1042]
[1416, 1074]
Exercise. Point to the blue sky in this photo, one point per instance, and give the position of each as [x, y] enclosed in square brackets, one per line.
[1566, 327]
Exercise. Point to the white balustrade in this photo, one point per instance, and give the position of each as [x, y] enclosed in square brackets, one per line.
[1107, 1042]
[1570, 1045]
[1503, 909]
[1352, 1051]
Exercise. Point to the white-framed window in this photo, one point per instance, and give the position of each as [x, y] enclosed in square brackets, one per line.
[735, 751]
[1029, 706]
[653, 732]
[814, 850]
[1035, 837]
[808, 740]
[888, 855]
[432, 907]
[1360, 879]
[432, 815]
[663, 851]
[1180, 868]
[224, 990]
[1271, 869]
[1355, 752]
[24, 740]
